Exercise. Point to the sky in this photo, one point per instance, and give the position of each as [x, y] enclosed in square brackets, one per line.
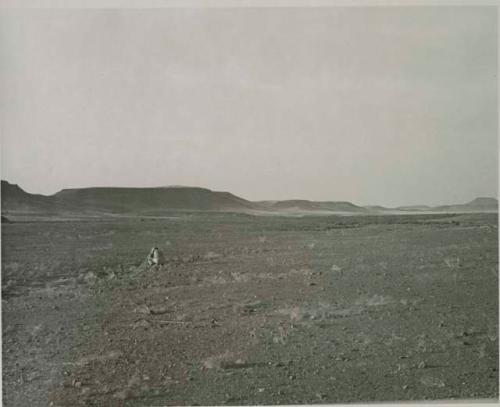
[373, 105]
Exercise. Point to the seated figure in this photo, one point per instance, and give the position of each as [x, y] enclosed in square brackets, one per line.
[155, 257]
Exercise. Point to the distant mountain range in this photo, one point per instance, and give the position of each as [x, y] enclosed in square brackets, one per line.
[160, 200]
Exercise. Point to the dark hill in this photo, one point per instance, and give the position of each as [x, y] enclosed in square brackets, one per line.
[14, 197]
[121, 200]
[143, 200]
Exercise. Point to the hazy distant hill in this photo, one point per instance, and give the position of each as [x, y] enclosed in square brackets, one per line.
[477, 205]
[305, 205]
[414, 208]
[143, 201]
[379, 209]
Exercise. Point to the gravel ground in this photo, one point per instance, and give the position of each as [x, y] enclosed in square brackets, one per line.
[250, 310]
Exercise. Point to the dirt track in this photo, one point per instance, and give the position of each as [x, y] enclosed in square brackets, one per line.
[264, 310]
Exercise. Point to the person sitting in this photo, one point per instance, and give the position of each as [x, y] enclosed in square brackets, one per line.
[155, 257]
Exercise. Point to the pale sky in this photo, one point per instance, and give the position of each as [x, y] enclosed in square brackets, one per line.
[382, 105]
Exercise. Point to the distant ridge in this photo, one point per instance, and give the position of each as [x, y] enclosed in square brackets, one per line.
[414, 208]
[481, 204]
[117, 200]
[161, 200]
[15, 198]
[305, 205]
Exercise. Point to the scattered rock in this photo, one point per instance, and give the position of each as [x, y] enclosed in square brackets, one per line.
[430, 381]
[142, 323]
[123, 394]
[217, 360]
[158, 310]
[321, 396]
[143, 309]
[452, 262]
[37, 329]
[90, 277]
[211, 255]
[115, 354]
[33, 376]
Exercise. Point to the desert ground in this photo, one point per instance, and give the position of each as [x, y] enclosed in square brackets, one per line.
[249, 309]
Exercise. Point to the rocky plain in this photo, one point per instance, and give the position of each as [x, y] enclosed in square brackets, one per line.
[249, 310]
